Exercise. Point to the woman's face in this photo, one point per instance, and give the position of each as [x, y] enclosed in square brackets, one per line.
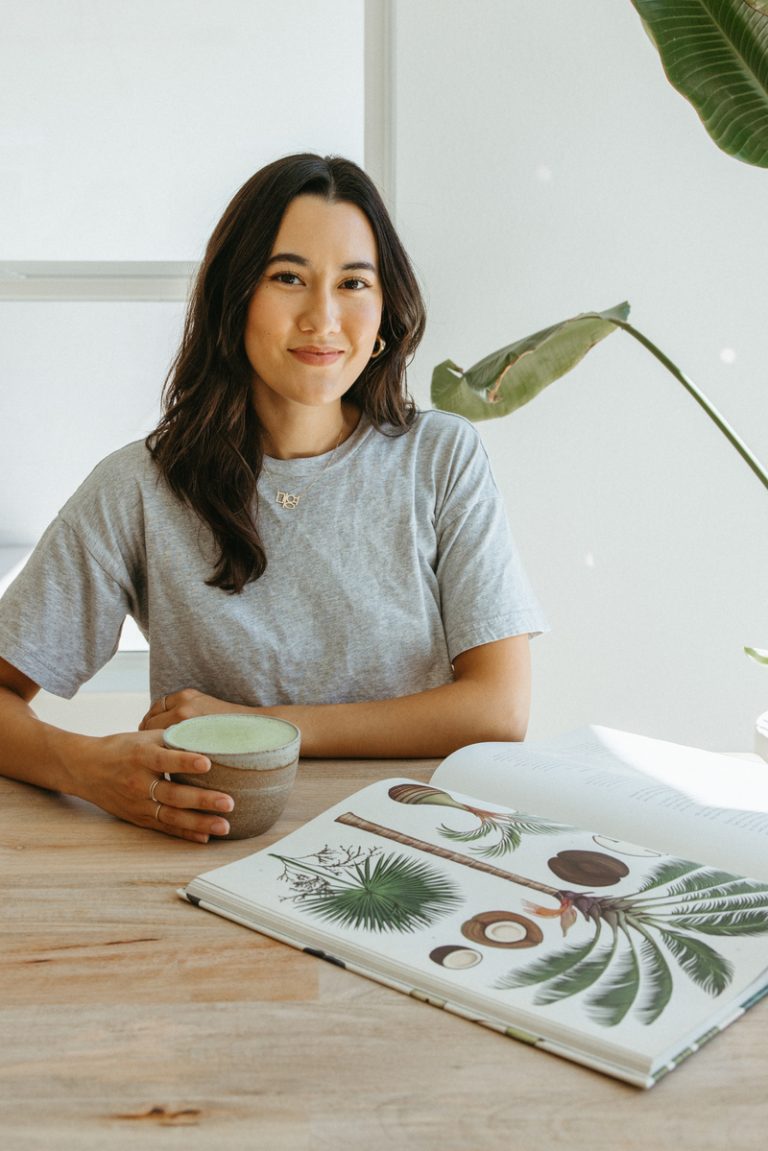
[315, 314]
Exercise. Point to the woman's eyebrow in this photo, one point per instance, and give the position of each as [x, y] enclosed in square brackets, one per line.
[293, 258]
[287, 258]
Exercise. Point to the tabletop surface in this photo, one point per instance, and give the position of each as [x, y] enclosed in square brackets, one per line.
[128, 1014]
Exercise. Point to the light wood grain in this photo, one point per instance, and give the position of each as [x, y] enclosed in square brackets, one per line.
[130, 1019]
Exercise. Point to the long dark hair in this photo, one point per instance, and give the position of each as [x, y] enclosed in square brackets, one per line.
[208, 443]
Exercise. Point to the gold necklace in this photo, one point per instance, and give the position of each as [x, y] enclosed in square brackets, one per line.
[290, 500]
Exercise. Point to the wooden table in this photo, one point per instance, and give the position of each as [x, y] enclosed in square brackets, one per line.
[131, 1019]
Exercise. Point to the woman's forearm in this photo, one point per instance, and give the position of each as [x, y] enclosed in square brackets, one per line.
[35, 752]
[427, 725]
[489, 699]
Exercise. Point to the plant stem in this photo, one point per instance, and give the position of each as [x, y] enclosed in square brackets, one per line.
[700, 399]
[316, 870]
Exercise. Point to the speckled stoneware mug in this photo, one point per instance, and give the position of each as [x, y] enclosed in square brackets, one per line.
[253, 759]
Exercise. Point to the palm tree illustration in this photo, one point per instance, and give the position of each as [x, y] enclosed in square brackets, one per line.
[626, 963]
[369, 890]
[508, 827]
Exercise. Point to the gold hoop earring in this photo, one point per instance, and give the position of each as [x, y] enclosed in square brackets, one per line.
[378, 347]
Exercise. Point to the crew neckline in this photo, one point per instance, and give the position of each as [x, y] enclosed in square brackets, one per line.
[306, 465]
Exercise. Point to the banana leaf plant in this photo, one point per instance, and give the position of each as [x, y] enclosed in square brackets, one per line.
[715, 53]
[514, 375]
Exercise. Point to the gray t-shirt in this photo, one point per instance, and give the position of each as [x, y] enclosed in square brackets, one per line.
[396, 559]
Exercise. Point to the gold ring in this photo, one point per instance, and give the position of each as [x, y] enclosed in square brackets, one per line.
[153, 785]
[157, 812]
[165, 705]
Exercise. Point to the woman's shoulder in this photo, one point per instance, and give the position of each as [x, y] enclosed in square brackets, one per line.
[131, 463]
[444, 431]
[121, 480]
[436, 422]
[131, 459]
[448, 437]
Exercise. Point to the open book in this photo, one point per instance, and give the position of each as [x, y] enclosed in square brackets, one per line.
[480, 893]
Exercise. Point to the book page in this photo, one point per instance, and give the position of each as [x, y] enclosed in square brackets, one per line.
[701, 805]
[416, 887]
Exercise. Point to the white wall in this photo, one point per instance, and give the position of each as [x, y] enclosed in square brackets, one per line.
[126, 127]
[544, 167]
[128, 124]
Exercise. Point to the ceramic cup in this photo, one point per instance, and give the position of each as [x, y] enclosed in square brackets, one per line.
[253, 759]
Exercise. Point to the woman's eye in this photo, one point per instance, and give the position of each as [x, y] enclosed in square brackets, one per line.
[354, 284]
[286, 278]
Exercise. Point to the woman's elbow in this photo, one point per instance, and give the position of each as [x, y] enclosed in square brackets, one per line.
[498, 721]
[504, 727]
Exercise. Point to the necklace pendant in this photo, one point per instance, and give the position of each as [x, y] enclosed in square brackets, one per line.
[287, 500]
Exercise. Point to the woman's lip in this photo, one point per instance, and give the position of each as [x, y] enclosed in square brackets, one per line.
[311, 355]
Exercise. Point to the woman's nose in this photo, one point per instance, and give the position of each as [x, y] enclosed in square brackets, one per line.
[321, 312]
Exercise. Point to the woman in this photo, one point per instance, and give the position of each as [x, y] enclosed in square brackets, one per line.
[293, 538]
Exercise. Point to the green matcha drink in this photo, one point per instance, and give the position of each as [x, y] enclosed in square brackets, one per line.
[231, 734]
[253, 758]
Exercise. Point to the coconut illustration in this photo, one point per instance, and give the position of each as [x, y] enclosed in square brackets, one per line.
[502, 929]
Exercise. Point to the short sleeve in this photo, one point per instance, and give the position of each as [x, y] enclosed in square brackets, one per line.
[60, 619]
[485, 592]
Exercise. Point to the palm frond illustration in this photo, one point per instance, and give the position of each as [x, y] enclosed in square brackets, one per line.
[662, 921]
[506, 828]
[370, 890]
[628, 961]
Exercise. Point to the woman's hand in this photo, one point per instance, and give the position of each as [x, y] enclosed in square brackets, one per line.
[126, 775]
[185, 704]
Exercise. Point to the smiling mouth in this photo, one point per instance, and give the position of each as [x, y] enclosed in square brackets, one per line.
[313, 355]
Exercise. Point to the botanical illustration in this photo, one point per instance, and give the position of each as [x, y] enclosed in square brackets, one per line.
[505, 828]
[506, 929]
[455, 957]
[636, 938]
[367, 889]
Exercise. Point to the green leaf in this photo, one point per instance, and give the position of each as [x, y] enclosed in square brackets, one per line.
[504, 381]
[730, 921]
[611, 1002]
[715, 53]
[702, 963]
[581, 976]
[717, 899]
[509, 830]
[397, 894]
[657, 979]
[667, 872]
[513, 376]
[758, 654]
[700, 882]
[754, 890]
[470, 836]
[549, 966]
